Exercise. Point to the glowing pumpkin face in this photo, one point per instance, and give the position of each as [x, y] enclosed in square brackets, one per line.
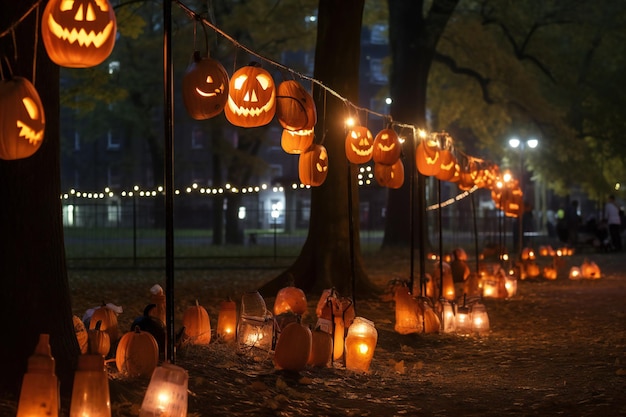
[251, 97]
[387, 147]
[447, 166]
[205, 88]
[295, 108]
[296, 141]
[359, 145]
[78, 33]
[427, 158]
[313, 165]
[22, 120]
[390, 176]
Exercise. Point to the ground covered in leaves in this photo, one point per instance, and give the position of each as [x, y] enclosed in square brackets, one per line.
[557, 348]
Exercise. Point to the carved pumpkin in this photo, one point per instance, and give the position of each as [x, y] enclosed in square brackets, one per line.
[108, 317]
[251, 97]
[313, 165]
[408, 314]
[81, 334]
[290, 300]
[205, 87]
[550, 272]
[293, 347]
[387, 147]
[78, 33]
[390, 176]
[321, 348]
[532, 269]
[359, 145]
[197, 325]
[99, 342]
[295, 108]
[22, 119]
[447, 167]
[590, 270]
[296, 141]
[466, 181]
[427, 157]
[137, 354]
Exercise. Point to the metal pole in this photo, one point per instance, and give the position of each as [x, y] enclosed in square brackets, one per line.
[134, 228]
[168, 90]
[439, 218]
[520, 215]
[351, 236]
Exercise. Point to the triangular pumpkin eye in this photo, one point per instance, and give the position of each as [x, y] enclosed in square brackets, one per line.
[209, 79]
[79, 14]
[66, 5]
[31, 108]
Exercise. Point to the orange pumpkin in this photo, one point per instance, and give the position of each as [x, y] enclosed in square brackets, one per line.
[387, 147]
[321, 348]
[359, 145]
[447, 166]
[295, 108]
[590, 270]
[293, 347]
[390, 176]
[251, 97]
[427, 157]
[78, 33]
[290, 300]
[98, 341]
[137, 354]
[296, 141]
[22, 119]
[81, 334]
[197, 325]
[313, 165]
[205, 87]
[108, 317]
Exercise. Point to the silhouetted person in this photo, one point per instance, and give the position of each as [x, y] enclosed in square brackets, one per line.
[612, 217]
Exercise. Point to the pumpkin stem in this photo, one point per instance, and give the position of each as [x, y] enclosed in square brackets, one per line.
[146, 311]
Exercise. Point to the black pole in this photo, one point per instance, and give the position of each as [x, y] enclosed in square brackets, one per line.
[439, 218]
[168, 90]
[421, 211]
[134, 227]
[477, 251]
[412, 228]
[351, 237]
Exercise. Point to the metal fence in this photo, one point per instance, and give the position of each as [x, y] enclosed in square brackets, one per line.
[132, 229]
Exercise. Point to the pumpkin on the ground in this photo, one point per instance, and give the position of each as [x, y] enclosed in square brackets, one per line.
[293, 347]
[321, 348]
[197, 325]
[108, 317]
[99, 342]
[137, 354]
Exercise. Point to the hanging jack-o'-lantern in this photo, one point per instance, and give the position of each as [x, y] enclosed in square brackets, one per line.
[313, 165]
[251, 97]
[295, 108]
[448, 165]
[296, 141]
[22, 120]
[78, 33]
[359, 145]
[466, 181]
[427, 157]
[390, 176]
[387, 147]
[205, 87]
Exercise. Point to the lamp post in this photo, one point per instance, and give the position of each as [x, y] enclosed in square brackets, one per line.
[275, 213]
[521, 145]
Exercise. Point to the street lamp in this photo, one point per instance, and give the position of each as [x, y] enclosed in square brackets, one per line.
[275, 213]
[517, 143]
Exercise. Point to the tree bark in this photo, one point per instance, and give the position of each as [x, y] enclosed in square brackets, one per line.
[413, 40]
[35, 295]
[331, 255]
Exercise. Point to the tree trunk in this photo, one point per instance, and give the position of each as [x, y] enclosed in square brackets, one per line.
[413, 40]
[331, 255]
[35, 295]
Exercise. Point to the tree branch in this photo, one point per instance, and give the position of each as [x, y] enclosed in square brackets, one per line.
[483, 82]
